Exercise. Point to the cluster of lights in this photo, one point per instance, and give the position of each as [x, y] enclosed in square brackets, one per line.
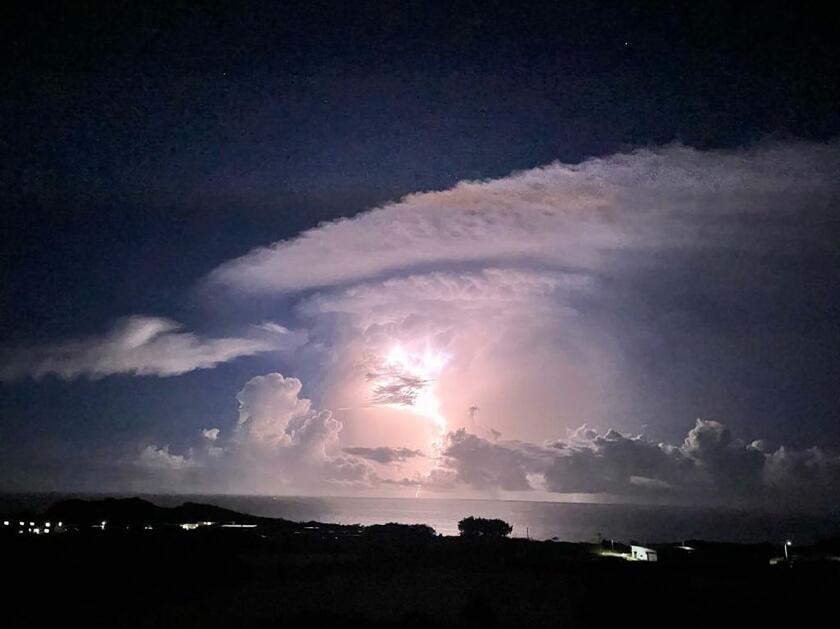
[31, 527]
[191, 526]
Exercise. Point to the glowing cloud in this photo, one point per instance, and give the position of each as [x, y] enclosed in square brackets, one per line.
[408, 380]
[618, 292]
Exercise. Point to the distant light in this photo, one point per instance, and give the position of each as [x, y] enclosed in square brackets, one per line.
[36, 531]
[789, 543]
[5, 523]
[31, 524]
[47, 524]
[20, 523]
[59, 523]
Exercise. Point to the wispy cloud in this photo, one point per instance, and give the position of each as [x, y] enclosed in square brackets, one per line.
[384, 454]
[137, 345]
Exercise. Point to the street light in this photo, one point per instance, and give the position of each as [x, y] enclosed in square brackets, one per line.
[788, 543]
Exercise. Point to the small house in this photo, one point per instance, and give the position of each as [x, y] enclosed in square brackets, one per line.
[640, 553]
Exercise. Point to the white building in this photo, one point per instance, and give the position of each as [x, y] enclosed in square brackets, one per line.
[640, 553]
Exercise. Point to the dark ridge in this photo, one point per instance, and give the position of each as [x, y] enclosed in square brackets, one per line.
[138, 511]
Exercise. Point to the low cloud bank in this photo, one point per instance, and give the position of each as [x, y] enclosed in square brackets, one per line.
[709, 466]
[280, 442]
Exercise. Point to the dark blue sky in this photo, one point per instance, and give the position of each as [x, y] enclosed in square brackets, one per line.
[144, 144]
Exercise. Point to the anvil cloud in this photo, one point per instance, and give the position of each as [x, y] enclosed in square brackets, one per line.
[559, 216]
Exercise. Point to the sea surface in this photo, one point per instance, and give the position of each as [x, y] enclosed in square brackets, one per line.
[538, 520]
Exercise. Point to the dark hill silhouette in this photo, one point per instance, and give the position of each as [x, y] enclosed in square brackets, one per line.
[133, 512]
[117, 510]
[136, 511]
[196, 512]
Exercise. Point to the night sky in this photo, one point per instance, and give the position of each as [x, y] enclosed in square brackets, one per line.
[145, 148]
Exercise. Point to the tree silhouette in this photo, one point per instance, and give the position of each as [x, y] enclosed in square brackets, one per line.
[484, 527]
[400, 534]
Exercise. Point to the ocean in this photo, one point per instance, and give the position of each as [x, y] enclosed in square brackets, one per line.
[538, 520]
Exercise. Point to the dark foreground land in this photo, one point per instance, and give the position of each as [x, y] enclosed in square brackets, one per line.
[283, 574]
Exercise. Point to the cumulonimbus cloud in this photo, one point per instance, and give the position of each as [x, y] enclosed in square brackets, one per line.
[138, 345]
[550, 290]
[526, 284]
[280, 441]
